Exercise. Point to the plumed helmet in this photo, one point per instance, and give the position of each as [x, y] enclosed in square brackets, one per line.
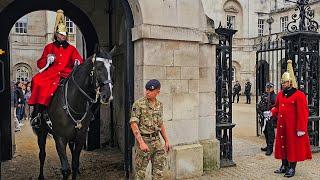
[289, 75]
[60, 25]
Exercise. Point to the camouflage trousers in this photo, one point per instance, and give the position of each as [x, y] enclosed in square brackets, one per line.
[156, 155]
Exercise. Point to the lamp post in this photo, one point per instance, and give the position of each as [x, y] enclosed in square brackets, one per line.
[270, 21]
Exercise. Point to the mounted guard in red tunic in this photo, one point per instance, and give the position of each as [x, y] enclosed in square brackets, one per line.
[56, 62]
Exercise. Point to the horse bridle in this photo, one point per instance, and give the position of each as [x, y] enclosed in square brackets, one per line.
[68, 108]
[107, 63]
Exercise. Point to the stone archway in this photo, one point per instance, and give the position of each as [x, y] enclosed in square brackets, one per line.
[94, 29]
[9, 15]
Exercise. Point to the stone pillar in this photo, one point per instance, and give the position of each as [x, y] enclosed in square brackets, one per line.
[207, 122]
[169, 46]
[171, 54]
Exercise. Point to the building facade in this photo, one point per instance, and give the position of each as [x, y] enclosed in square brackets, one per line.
[255, 21]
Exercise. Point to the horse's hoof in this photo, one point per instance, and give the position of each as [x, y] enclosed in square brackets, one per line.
[74, 177]
[41, 178]
[66, 174]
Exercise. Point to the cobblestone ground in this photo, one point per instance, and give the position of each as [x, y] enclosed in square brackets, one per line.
[105, 163]
[251, 162]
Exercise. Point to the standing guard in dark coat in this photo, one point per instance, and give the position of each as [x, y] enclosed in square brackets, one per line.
[247, 91]
[268, 100]
[236, 91]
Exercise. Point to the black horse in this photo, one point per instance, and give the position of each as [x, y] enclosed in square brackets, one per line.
[69, 113]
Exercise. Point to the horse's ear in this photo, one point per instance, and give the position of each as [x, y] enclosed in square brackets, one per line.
[113, 50]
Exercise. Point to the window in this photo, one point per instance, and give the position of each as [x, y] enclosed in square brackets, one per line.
[260, 27]
[231, 20]
[233, 74]
[22, 74]
[70, 26]
[283, 23]
[21, 25]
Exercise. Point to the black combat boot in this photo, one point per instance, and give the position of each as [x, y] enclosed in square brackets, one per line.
[292, 170]
[269, 150]
[264, 148]
[283, 168]
[36, 115]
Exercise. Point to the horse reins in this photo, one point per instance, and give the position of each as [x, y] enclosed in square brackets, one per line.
[67, 107]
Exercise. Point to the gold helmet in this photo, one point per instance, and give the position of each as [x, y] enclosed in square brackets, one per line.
[60, 25]
[289, 75]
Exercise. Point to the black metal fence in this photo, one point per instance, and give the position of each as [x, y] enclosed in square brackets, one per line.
[270, 63]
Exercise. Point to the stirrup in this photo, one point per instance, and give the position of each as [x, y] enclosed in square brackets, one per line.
[35, 122]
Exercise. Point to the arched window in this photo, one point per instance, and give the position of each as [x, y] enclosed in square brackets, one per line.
[233, 74]
[233, 15]
[22, 73]
[21, 26]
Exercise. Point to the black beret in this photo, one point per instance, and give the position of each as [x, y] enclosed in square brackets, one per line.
[269, 85]
[153, 84]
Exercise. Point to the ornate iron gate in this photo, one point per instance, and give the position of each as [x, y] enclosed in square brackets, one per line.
[302, 47]
[270, 62]
[224, 123]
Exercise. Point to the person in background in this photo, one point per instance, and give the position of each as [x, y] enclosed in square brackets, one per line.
[236, 91]
[23, 101]
[247, 91]
[27, 96]
[17, 100]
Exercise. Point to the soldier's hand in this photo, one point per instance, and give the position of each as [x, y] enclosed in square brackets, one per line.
[167, 147]
[50, 58]
[143, 147]
[300, 133]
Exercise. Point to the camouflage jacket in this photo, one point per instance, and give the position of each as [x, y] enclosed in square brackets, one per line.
[148, 118]
[268, 100]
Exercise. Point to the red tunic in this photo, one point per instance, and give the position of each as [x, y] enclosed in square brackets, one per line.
[46, 83]
[293, 116]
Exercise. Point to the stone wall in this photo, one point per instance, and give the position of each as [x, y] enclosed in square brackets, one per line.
[184, 62]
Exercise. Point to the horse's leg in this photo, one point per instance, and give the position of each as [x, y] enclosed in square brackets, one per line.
[42, 138]
[71, 146]
[79, 143]
[61, 144]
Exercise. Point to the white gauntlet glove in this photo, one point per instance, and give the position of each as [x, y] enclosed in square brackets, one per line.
[50, 58]
[267, 114]
[300, 133]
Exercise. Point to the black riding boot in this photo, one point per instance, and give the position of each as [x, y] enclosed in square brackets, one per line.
[283, 168]
[292, 170]
[36, 115]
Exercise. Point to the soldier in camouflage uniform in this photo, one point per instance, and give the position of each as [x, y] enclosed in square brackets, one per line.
[146, 123]
[268, 100]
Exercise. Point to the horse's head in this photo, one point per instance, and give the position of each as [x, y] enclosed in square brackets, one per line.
[103, 70]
